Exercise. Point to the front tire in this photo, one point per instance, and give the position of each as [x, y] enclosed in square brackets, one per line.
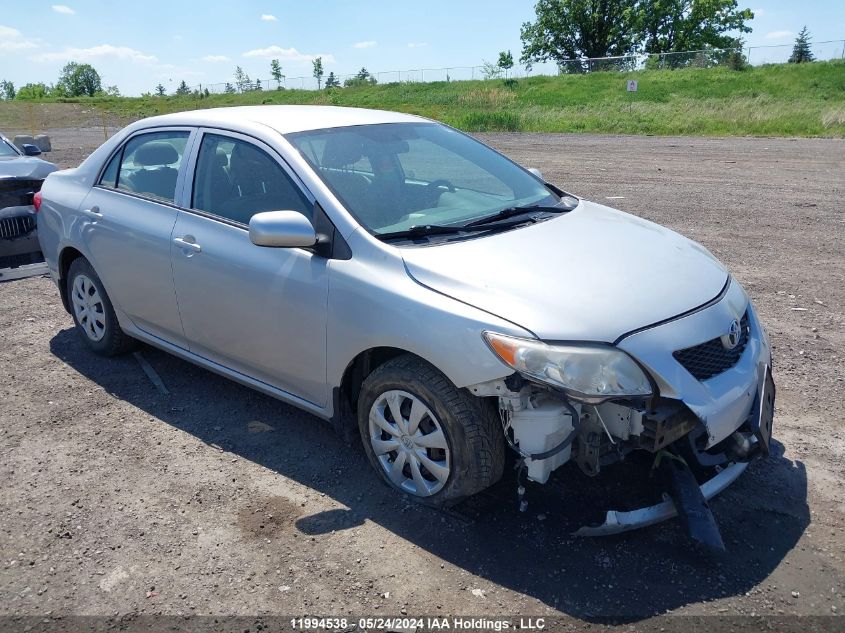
[93, 313]
[425, 437]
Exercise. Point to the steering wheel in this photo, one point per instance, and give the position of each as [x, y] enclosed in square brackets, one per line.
[439, 184]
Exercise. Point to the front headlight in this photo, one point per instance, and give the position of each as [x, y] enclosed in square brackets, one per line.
[590, 372]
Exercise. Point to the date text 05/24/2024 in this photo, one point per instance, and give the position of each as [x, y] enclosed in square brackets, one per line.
[405, 623]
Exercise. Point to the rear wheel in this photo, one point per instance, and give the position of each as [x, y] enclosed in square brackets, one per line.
[424, 436]
[93, 313]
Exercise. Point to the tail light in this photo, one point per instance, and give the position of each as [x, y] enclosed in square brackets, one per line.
[36, 201]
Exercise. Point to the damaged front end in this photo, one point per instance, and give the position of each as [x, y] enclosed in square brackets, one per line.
[698, 431]
[20, 251]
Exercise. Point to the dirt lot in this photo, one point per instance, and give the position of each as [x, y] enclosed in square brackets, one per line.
[217, 500]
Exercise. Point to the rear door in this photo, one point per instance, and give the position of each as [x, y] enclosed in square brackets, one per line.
[129, 216]
[260, 311]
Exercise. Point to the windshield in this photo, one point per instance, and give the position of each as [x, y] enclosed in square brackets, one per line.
[394, 176]
[6, 149]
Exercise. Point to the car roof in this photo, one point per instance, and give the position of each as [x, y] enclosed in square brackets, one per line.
[283, 118]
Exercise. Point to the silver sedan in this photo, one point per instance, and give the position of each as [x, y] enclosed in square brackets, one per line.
[414, 286]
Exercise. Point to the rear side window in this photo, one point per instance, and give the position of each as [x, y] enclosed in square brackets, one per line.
[149, 165]
[235, 180]
[109, 177]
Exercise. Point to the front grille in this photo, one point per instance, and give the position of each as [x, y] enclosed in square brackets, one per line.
[11, 228]
[711, 358]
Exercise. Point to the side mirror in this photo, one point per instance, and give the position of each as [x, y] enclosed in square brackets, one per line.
[281, 229]
[30, 150]
[537, 173]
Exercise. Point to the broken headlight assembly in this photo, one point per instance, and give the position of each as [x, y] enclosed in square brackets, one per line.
[588, 372]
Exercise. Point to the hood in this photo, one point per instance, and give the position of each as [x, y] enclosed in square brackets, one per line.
[592, 274]
[25, 167]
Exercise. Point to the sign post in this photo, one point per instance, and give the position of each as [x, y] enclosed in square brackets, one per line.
[631, 86]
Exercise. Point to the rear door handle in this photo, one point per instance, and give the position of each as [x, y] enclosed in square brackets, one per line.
[93, 213]
[183, 243]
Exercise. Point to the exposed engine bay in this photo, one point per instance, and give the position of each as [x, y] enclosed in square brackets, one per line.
[547, 430]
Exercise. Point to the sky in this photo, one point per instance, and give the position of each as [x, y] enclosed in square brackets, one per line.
[137, 45]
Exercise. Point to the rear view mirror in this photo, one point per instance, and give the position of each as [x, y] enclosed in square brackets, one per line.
[281, 229]
[30, 150]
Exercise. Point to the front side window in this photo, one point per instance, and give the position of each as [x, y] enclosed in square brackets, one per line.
[235, 179]
[394, 176]
[6, 149]
[150, 165]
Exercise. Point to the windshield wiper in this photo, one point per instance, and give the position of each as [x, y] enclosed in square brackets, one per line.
[425, 230]
[510, 212]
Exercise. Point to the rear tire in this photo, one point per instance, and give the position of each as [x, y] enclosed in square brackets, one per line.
[446, 445]
[93, 312]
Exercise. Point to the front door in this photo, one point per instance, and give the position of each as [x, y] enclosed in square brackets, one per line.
[260, 311]
[129, 216]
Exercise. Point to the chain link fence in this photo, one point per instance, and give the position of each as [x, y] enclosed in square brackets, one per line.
[705, 58]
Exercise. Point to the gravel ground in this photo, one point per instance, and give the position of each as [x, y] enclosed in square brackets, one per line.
[217, 500]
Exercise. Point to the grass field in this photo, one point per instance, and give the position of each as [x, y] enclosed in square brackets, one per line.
[776, 100]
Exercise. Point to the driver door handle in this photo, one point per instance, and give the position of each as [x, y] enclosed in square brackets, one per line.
[183, 243]
[93, 213]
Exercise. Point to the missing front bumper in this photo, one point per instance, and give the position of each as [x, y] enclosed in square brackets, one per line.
[617, 521]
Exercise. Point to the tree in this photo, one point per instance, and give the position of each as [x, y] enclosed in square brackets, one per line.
[276, 71]
[362, 78]
[505, 61]
[7, 90]
[111, 91]
[332, 81]
[575, 29]
[318, 71]
[242, 80]
[571, 29]
[229, 89]
[183, 89]
[160, 90]
[77, 80]
[33, 91]
[490, 70]
[667, 26]
[801, 52]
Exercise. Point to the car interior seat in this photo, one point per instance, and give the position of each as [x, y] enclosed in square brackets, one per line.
[258, 184]
[339, 154]
[155, 177]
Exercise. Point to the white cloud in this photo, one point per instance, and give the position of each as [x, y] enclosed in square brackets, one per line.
[779, 35]
[290, 55]
[215, 58]
[103, 51]
[63, 8]
[367, 44]
[13, 40]
[266, 17]
[417, 44]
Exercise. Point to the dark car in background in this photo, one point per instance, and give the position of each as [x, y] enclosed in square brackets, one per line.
[21, 176]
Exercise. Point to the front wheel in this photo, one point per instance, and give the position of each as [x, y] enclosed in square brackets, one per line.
[424, 436]
[92, 311]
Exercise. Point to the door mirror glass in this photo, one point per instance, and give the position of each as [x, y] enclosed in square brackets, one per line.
[30, 150]
[281, 229]
[537, 173]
